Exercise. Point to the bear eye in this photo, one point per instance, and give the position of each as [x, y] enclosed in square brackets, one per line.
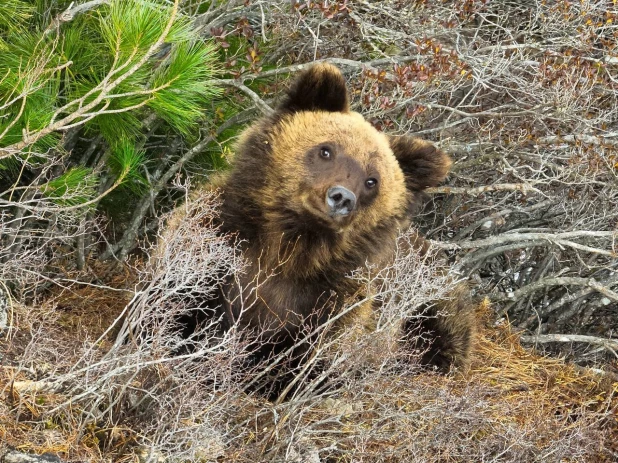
[325, 153]
[371, 182]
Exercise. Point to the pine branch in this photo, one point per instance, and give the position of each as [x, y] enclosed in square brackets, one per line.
[87, 111]
[127, 242]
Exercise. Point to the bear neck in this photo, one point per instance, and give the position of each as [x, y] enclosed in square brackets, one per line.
[298, 250]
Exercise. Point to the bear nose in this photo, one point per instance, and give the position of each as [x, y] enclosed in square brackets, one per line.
[340, 201]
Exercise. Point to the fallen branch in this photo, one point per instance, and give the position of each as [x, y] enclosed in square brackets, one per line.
[14, 456]
[589, 139]
[569, 298]
[559, 281]
[35, 386]
[524, 238]
[475, 191]
[546, 338]
[610, 344]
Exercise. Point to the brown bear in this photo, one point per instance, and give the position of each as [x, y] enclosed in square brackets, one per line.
[315, 192]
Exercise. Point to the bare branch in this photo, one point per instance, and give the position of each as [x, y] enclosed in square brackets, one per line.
[475, 191]
[609, 344]
[261, 105]
[73, 10]
[558, 281]
[556, 238]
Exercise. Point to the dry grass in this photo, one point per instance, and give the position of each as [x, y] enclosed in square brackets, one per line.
[511, 406]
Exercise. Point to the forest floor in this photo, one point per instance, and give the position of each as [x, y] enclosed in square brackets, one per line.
[541, 404]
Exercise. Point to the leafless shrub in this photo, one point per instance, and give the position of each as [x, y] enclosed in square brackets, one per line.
[174, 399]
[177, 396]
[39, 227]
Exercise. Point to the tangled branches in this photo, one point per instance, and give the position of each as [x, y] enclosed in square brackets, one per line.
[523, 96]
[153, 393]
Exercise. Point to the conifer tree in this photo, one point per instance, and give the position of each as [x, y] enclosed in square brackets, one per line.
[89, 96]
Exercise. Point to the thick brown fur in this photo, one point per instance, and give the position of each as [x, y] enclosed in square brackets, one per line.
[300, 256]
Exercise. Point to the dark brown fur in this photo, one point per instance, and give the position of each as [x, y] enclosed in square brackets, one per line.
[273, 201]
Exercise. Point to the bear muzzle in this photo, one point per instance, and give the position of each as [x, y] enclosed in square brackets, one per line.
[340, 201]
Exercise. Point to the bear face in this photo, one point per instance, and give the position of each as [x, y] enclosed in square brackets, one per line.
[342, 172]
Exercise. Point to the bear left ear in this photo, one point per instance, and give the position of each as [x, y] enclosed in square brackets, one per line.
[423, 164]
[319, 88]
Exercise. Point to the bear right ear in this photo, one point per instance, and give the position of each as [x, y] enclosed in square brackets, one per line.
[319, 88]
[423, 165]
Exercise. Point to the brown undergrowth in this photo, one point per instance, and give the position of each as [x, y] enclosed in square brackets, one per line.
[512, 405]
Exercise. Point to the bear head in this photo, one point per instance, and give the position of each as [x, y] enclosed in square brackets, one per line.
[319, 177]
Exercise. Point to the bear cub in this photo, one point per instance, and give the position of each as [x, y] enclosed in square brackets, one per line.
[315, 192]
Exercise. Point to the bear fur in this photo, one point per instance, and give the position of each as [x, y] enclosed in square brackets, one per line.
[302, 237]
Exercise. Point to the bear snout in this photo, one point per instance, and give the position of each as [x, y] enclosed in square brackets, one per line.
[340, 201]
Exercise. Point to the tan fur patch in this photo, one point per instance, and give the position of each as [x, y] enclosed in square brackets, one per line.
[302, 131]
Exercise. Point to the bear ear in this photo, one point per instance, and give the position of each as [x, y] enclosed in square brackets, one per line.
[319, 88]
[423, 164]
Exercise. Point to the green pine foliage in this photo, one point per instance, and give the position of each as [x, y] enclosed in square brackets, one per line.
[14, 15]
[74, 187]
[124, 162]
[183, 85]
[86, 93]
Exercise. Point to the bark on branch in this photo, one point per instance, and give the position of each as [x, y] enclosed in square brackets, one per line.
[261, 104]
[73, 10]
[559, 281]
[475, 191]
[609, 344]
[556, 238]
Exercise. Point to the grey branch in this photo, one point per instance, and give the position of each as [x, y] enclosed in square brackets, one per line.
[559, 281]
[14, 456]
[609, 344]
[557, 238]
[73, 10]
[261, 105]
[336, 61]
[475, 191]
